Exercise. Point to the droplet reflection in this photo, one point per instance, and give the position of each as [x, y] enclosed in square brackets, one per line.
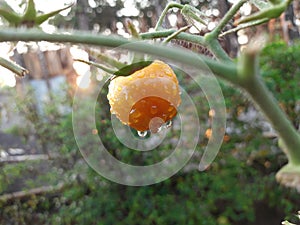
[169, 124]
[142, 134]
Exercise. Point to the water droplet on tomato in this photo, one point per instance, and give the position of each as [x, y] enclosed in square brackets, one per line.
[169, 124]
[170, 109]
[141, 74]
[155, 124]
[159, 129]
[135, 113]
[153, 109]
[142, 133]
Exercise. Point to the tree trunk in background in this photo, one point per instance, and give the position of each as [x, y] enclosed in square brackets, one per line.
[229, 42]
[292, 29]
[83, 21]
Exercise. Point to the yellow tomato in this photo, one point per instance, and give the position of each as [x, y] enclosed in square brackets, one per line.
[147, 98]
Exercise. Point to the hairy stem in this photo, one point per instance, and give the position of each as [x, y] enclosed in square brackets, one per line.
[268, 105]
[250, 80]
[15, 68]
[245, 25]
[213, 45]
[223, 70]
[173, 35]
[164, 13]
[108, 60]
[90, 63]
[181, 36]
[211, 38]
[228, 16]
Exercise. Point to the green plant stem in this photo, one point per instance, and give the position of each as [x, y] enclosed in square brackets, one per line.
[15, 68]
[213, 45]
[164, 13]
[268, 105]
[104, 68]
[245, 25]
[211, 38]
[173, 35]
[250, 80]
[110, 61]
[228, 16]
[248, 67]
[181, 36]
[223, 70]
[268, 13]
[208, 42]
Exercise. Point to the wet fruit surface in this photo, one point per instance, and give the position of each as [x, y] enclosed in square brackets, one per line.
[147, 98]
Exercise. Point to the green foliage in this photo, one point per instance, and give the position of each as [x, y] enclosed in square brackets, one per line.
[225, 194]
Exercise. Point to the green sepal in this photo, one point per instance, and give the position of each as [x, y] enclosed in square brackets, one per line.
[130, 69]
[30, 12]
[11, 17]
[42, 18]
[7, 13]
[30, 17]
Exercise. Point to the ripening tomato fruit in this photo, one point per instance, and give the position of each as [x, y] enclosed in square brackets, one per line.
[147, 98]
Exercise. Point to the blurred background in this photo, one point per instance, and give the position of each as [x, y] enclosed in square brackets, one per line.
[45, 180]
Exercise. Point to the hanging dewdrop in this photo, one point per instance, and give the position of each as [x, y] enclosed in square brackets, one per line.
[147, 99]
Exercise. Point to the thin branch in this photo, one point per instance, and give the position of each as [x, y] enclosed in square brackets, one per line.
[172, 36]
[164, 13]
[228, 16]
[90, 63]
[34, 191]
[181, 36]
[268, 13]
[12, 66]
[243, 26]
[212, 45]
[108, 60]
[20, 158]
